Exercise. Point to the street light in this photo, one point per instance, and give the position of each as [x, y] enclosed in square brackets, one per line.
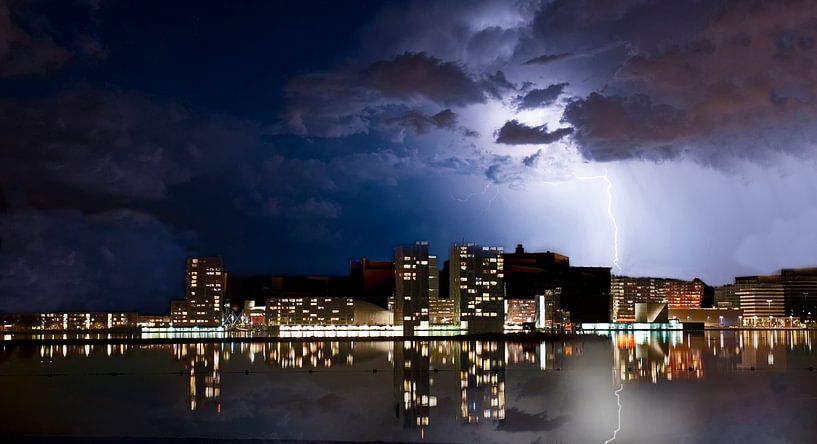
[769, 301]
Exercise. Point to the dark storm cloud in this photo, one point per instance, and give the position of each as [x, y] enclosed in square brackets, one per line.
[497, 85]
[23, 53]
[31, 43]
[412, 75]
[66, 260]
[515, 133]
[422, 123]
[91, 175]
[517, 420]
[743, 87]
[348, 101]
[615, 128]
[537, 98]
[110, 143]
[547, 58]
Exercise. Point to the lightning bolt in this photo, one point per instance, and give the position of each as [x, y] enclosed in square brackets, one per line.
[618, 427]
[472, 195]
[483, 193]
[609, 213]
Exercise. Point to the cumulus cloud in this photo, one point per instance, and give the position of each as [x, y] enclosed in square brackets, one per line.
[514, 132]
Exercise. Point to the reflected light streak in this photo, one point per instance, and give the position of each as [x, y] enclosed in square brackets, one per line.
[618, 427]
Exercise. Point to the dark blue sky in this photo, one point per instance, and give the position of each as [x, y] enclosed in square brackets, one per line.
[670, 138]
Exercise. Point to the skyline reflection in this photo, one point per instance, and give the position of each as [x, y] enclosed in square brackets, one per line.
[483, 385]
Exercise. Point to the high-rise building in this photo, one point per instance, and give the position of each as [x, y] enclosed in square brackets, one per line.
[416, 281]
[206, 283]
[477, 287]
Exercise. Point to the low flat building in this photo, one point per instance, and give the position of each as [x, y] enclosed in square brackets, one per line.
[763, 303]
[309, 310]
[74, 321]
[520, 311]
[709, 317]
[153, 321]
[367, 313]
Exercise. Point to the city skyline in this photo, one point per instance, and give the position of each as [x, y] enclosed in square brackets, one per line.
[291, 137]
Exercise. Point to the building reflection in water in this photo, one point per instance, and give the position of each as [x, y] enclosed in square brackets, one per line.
[482, 381]
[478, 367]
[203, 367]
[412, 383]
[639, 356]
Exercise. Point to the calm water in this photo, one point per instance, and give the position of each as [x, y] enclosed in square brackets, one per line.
[713, 387]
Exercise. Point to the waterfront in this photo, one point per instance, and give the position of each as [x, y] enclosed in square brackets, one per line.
[718, 386]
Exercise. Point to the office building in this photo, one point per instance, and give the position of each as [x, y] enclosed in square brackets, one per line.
[477, 287]
[627, 291]
[726, 295]
[441, 311]
[683, 294]
[762, 299]
[416, 282]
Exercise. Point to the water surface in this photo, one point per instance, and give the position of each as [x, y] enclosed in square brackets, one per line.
[747, 386]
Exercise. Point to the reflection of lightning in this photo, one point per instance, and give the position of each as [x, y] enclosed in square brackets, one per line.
[618, 427]
[609, 213]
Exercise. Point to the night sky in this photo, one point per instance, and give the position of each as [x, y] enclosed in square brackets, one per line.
[291, 137]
